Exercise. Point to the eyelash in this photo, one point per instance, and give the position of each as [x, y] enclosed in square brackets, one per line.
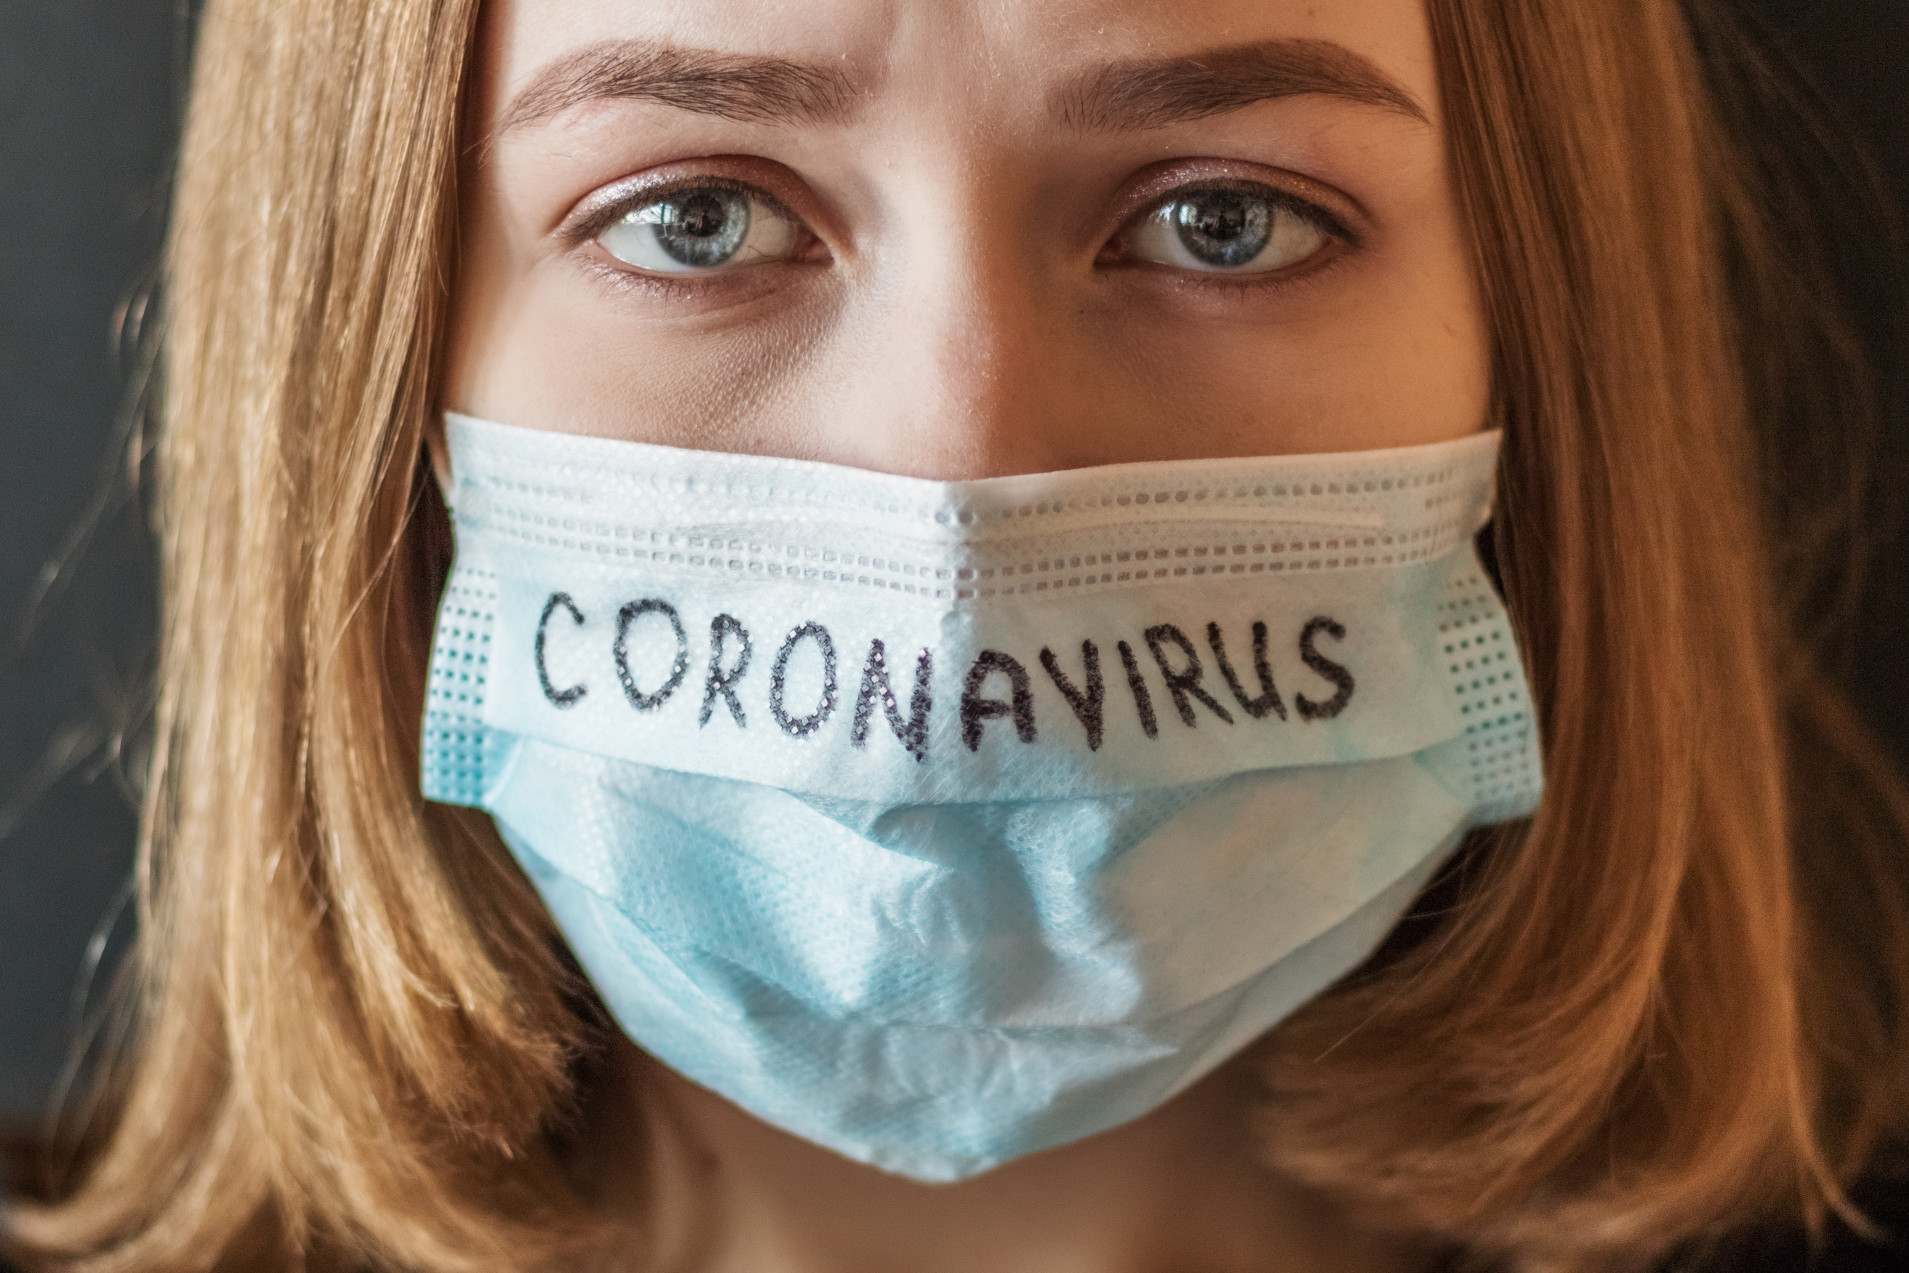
[1320, 218]
[597, 220]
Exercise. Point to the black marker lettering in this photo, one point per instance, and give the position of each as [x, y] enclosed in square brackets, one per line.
[913, 732]
[626, 617]
[1184, 683]
[722, 684]
[1141, 699]
[801, 726]
[557, 697]
[976, 711]
[1326, 668]
[1087, 706]
[1268, 700]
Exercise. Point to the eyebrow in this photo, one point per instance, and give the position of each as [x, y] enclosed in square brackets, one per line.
[1153, 93]
[750, 89]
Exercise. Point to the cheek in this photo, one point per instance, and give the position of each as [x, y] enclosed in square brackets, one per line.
[1403, 356]
[545, 344]
[1391, 352]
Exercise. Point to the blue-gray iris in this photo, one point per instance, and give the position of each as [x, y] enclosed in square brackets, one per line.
[700, 228]
[1224, 228]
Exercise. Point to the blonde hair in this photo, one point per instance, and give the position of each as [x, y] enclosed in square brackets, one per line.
[1669, 1004]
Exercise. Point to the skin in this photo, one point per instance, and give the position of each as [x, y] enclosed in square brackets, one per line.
[968, 296]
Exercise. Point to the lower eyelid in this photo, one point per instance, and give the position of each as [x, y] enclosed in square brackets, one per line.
[1293, 279]
[742, 283]
[652, 285]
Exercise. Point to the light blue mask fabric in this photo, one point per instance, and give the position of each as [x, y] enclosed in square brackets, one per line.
[941, 823]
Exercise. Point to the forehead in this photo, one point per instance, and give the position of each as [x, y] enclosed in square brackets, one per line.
[979, 50]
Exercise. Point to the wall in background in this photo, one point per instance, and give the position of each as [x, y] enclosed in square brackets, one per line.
[89, 95]
[88, 106]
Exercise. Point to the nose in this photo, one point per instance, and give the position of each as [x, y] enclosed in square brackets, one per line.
[963, 364]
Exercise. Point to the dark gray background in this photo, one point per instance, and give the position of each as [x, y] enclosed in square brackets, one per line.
[89, 102]
[89, 94]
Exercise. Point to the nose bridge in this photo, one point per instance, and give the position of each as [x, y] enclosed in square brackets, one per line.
[982, 323]
[966, 347]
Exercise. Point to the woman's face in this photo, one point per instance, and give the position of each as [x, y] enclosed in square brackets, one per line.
[965, 238]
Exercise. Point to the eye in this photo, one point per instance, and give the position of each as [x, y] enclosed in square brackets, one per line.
[1228, 230]
[700, 229]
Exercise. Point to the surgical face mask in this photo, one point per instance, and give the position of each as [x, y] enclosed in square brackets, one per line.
[943, 822]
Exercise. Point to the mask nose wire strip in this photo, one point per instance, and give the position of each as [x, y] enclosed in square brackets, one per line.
[952, 529]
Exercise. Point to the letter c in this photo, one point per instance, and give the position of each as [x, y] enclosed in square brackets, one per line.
[557, 697]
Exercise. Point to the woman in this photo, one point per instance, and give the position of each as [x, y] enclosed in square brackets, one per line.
[1286, 274]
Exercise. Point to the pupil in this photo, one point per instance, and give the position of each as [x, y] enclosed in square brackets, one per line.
[1220, 219]
[1226, 228]
[701, 216]
[704, 228]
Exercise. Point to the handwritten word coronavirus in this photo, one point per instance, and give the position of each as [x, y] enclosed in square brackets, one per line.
[1168, 672]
